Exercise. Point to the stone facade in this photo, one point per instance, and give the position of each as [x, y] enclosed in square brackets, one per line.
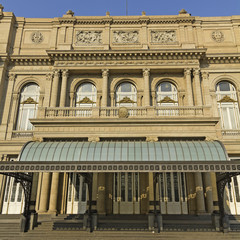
[192, 53]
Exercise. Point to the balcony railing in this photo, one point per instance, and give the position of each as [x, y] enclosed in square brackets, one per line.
[22, 134]
[130, 112]
[231, 132]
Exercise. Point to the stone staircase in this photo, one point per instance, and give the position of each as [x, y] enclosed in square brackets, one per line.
[234, 222]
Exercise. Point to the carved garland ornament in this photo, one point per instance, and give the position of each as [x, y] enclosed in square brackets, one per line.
[167, 100]
[126, 100]
[218, 36]
[86, 100]
[226, 99]
[163, 37]
[125, 37]
[37, 37]
[88, 37]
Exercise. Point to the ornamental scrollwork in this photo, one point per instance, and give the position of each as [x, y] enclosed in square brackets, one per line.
[88, 37]
[163, 37]
[218, 36]
[125, 37]
[37, 37]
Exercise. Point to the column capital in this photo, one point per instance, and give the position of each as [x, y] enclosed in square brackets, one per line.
[49, 76]
[65, 73]
[56, 73]
[187, 71]
[11, 76]
[146, 72]
[205, 74]
[196, 71]
[105, 72]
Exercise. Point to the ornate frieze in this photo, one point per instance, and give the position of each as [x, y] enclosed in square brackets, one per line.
[37, 37]
[88, 37]
[125, 37]
[163, 37]
[218, 36]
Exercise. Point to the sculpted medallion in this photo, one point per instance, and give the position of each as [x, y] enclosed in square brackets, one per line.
[218, 36]
[37, 37]
[88, 37]
[125, 37]
[163, 37]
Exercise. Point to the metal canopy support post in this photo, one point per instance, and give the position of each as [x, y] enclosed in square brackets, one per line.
[222, 180]
[91, 221]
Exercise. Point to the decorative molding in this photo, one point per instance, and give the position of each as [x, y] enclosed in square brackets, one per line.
[94, 139]
[29, 101]
[88, 37]
[125, 37]
[226, 99]
[167, 100]
[86, 100]
[49, 76]
[126, 100]
[187, 72]
[163, 37]
[218, 36]
[37, 37]
[151, 139]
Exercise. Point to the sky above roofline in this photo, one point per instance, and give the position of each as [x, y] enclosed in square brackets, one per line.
[56, 8]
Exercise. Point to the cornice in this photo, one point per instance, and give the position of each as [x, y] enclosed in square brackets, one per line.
[31, 60]
[125, 21]
[182, 54]
[223, 58]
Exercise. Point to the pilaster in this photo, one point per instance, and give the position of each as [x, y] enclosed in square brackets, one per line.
[197, 88]
[105, 74]
[54, 94]
[146, 75]
[63, 88]
[188, 79]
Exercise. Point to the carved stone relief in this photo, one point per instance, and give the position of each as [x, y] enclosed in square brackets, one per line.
[163, 37]
[37, 37]
[125, 37]
[218, 36]
[88, 37]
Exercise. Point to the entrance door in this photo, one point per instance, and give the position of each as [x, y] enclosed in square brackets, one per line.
[126, 193]
[77, 194]
[232, 205]
[172, 193]
[14, 197]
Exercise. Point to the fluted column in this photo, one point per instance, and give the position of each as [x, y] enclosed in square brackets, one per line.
[105, 74]
[208, 191]
[187, 74]
[63, 88]
[54, 193]
[43, 207]
[197, 86]
[54, 94]
[146, 75]
[199, 193]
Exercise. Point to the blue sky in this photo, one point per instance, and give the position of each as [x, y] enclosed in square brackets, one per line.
[56, 8]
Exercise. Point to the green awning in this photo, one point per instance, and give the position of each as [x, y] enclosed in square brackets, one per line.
[117, 151]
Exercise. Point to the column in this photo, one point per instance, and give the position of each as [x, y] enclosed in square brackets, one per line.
[105, 74]
[44, 194]
[54, 194]
[54, 94]
[191, 193]
[146, 74]
[197, 86]
[208, 192]
[199, 193]
[6, 111]
[206, 92]
[187, 75]
[63, 88]
[101, 194]
[47, 95]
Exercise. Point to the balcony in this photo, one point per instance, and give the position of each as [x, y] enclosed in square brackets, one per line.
[124, 112]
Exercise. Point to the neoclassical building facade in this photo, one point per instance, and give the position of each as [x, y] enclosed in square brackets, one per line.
[133, 116]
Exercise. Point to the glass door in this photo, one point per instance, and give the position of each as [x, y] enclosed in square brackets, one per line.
[77, 194]
[172, 193]
[13, 198]
[126, 193]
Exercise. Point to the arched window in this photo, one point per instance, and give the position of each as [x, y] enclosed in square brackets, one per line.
[227, 105]
[86, 95]
[28, 106]
[126, 95]
[166, 94]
